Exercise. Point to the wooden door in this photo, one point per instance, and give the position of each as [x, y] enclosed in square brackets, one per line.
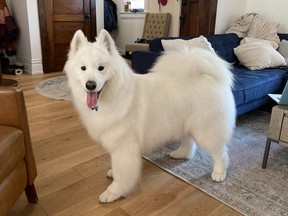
[59, 19]
[198, 17]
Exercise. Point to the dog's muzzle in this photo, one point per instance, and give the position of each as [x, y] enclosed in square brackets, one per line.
[91, 85]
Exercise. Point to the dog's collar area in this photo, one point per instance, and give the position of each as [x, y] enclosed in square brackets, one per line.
[95, 108]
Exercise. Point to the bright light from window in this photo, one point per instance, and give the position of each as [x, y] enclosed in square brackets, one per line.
[134, 5]
[137, 4]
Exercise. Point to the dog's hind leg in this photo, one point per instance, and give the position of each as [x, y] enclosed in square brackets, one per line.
[214, 144]
[221, 162]
[186, 150]
[126, 169]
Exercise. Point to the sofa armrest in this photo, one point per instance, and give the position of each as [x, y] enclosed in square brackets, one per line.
[13, 113]
[142, 61]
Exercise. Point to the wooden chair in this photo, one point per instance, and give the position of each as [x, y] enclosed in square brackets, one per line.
[17, 163]
[155, 25]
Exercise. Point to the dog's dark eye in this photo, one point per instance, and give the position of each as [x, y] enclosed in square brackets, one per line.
[100, 68]
[83, 68]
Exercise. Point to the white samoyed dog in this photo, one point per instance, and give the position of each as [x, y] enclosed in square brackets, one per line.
[185, 97]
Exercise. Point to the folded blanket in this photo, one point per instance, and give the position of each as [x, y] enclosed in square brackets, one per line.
[242, 25]
[263, 29]
[255, 26]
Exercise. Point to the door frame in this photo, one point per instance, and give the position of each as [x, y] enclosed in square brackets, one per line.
[46, 60]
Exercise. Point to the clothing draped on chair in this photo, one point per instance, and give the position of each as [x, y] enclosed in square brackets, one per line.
[8, 28]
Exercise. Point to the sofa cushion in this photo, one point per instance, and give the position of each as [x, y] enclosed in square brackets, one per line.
[250, 85]
[223, 44]
[257, 54]
[12, 149]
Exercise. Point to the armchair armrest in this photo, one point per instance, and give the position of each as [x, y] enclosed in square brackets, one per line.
[13, 113]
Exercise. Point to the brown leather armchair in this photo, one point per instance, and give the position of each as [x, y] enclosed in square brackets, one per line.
[17, 163]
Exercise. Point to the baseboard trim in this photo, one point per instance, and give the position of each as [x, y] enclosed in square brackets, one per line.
[31, 66]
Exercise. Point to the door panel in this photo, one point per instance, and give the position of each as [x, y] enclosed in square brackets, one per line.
[198, 17]
[68, 7]
[59, 20]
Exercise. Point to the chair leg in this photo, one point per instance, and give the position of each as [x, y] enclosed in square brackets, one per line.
[127, 55]
[31, 194]
[266, 153]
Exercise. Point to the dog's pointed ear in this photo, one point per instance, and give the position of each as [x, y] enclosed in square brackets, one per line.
[105, 39]
[78, 40]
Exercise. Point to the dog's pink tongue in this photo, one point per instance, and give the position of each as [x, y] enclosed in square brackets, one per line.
[92, 100]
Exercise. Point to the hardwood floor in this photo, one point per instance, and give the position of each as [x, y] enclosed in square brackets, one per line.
[72, 170]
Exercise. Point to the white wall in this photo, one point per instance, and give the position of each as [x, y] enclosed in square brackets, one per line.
[227, 12]
[28, 45]
[275, 11]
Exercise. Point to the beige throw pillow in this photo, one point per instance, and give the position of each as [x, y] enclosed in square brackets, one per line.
[258, 54]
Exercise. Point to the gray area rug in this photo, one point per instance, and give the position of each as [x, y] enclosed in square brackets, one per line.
[248, 188]
[55, 88]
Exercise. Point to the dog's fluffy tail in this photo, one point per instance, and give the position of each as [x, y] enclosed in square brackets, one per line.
[198, 62]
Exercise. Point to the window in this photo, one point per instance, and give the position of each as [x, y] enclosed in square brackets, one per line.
[135, 6]
[135, 9]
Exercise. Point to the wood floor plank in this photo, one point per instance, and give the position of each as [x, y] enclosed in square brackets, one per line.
[59, 145]
[56, 182]
[28, 210]
[68, 161]
[74, 194]
[72, 170]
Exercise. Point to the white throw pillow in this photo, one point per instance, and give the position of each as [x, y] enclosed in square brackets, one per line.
[176, 44]
[258, 55]
[283, 49]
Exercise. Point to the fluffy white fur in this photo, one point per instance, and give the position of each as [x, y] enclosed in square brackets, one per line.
[186, 97]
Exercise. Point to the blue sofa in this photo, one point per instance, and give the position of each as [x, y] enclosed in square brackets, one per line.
[251, 88]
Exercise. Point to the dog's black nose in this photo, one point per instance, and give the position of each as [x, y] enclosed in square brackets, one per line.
[91, 85]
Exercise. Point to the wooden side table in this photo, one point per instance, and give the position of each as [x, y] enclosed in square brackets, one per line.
[278, 130]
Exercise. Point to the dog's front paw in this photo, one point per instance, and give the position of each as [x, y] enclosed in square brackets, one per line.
[107, 197]
[218, 177]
